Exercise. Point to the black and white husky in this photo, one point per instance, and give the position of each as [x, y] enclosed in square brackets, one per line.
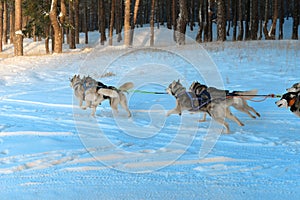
[94, 92]
[290, 100]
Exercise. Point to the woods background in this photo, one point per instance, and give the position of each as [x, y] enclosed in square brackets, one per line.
[51, 20]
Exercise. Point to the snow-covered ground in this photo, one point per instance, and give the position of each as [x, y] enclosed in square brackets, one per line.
[50, 149]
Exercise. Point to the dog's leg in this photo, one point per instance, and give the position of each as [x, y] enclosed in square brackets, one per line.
[229, 115]
[87, 105]
[203, 118]
[123, 103]
[224, 123]
[114, 105]
[176, 110]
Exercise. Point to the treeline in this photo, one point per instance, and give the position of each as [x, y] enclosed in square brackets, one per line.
[54, 19]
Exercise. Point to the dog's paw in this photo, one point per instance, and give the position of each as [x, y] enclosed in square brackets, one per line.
[83, 107]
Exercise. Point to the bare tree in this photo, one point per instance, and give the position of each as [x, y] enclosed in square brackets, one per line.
[152, 23]
[234, 19]
[127, 23]
[12, 22]
[221, 20]
[101, 11]
[272, 31]
[1, 25]
[181, 22]
[254, 19]
[240, 20]
[85, 21]
[281, 19]
[18, 39]
[72, 25]
[295, 20]
[76, 12]
[112, 21]
[118, 20]
[265, 25]
[5, 21]
[56, 23]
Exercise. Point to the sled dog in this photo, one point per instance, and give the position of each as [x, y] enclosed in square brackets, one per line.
[217, 108]
[292, 100]
[94, 92]
[240, 97]
[294, 88]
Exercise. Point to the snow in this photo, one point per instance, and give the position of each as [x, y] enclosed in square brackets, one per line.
[49, 148]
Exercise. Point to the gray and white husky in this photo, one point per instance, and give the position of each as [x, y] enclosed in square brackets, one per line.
[240, 97]
[94, 92]
[294, 88]
[217, 108]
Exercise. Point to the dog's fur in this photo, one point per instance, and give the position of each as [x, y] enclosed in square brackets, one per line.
[240, 97]
[217, 108]
[292, 100]
[93, 93]
[294, 88]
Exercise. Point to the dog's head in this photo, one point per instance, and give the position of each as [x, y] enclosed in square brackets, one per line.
[174, 87]
[294, 88]
[197, 87]
[74, 80]
[287, 100]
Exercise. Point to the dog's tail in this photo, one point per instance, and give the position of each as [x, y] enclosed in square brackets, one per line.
[247, 95]
[126, 86]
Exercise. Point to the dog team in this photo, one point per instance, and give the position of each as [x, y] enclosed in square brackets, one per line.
[198, 98]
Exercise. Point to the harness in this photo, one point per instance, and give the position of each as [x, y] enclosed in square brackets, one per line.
[203, 99]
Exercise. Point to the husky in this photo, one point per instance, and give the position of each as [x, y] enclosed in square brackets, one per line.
[94, 93]
[240, 97]
[217, 108]
[292, 100]
[294, 88]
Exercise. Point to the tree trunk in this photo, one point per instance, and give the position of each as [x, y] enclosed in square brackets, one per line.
[5, 18]
[85, 22]
[102, 21]
[119, 20]
[265, 26]
[174, 11]
[240, 20]
[76, 8]
[295, 20]
[281, 19]
[72, 26]
[18, 40]
[56, 25]
[234, 19]
[112, 22]
[152, 23]
[254, 20]
[135, 14]
[181, 22]
[127, 23]
[169, 14]
[221, 20]
[1, 25]
[47, 37]
[210, 21]
[272, 32]
[201, 21]
[12, 23]
[247, 29]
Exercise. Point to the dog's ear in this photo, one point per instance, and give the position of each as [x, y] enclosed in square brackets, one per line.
[178, 81]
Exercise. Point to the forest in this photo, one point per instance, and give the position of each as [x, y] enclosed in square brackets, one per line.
[61, 21]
